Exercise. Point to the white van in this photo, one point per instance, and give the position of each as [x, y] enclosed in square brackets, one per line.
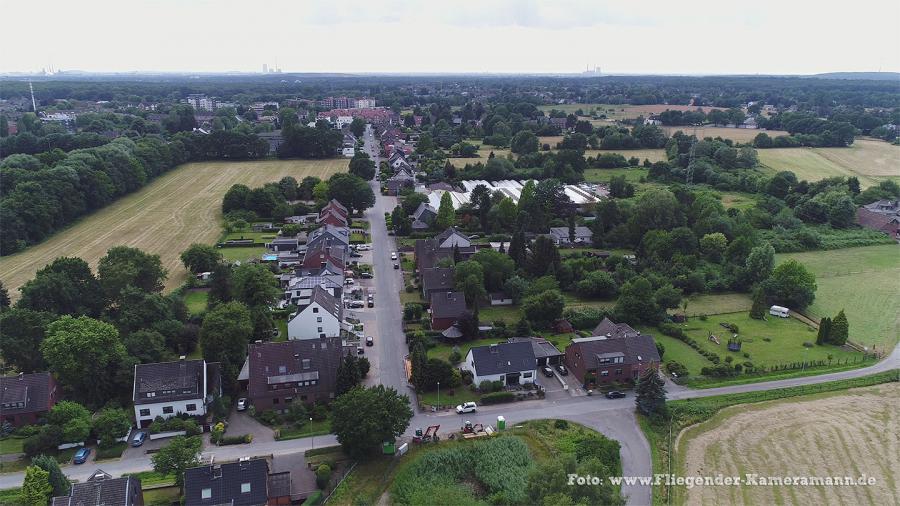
[779, 311]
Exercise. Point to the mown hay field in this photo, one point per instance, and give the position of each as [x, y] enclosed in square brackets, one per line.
[843, 433]
[163, 218]
[869, 160]
[745, 135]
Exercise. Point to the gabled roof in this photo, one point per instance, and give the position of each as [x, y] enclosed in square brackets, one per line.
[447, 304]
[425, 211]
[503, 358]
[564, 232]
[334, 204]
[101, 489]
[26, 393]
[328, 302]
[168, 381]
[329, 234]
[640, 348]
[542, 348]
[225, 482]
[332, 216]
[323, 252]
[452, 237]
[269, 363]
[612, 330]
[438, 278]
[308, 282]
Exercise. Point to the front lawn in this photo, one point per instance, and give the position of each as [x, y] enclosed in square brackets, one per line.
[162, 496]
[151, 479]
[449, 396]
[113, 452]
[508, 314]
[11, 445]
[679, 351]
[314, 428]
[238, 254]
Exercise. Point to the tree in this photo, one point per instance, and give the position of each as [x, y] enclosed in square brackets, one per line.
[400, 221]
[36, 487]
[363, 166]
[358, 127]
[524, 142]
[221, 287]
[758, 309]
[497, 268]
[412, 201]
[4, 297]
[73, 419]
[235, 198]
[365, 417]
[146, 346]
[73, 342]
[518, 248]
[840, 329]
[597, 284]
[544, 258]
[515, 287]
[760, 263]
[667, 297]
[201, 258]
[58, 481]
[180, 454]
[713, 246]
[351, 191]
[65, 286]
[651, 394]
[620, 188]
[224, 335]
[446, 215]
[637, 302]
[21, 333]
[111, 424]
[123, 266]
[824, 334]
[254, 285]
[791, 285]
[544, 308]
[348, 375]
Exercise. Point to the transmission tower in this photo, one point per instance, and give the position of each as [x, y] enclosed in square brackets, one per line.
[689, 176]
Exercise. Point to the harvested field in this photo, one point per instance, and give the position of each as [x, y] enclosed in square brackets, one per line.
[844, 433]
[745, 135]
[624, 111]
[177, 209]
[870, 160]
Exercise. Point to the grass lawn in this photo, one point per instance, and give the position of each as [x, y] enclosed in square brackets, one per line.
[862, 282]
[679, 352]
[362, 224]
[152, 478]
[196, 301]
[163, 496]
[442, 351]
[11, 496]
[508, 314]
[14, 466]
[412, 297]
[260, 237]
[281, 325]
[113, 452]
[357, 238]
[737, 200]
[314, 428]
[449, 396]
[713, 304]
[242, 254]
[181, 207]
[11, 445]
[632, 174]
[787, 336]
[573, 300]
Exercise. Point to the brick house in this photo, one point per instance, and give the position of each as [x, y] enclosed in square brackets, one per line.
[25, 398]
[102, 488]
[446, 308]
[619, 354]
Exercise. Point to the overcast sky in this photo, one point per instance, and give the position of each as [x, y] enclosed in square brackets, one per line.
[527, 36]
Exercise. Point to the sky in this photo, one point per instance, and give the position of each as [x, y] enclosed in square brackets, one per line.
[452, 36]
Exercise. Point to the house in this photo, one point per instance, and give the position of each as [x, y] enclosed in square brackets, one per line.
[500, 299]
[328, 235]
[166, 389]
[301, 219]
[559, 123]
[243, 483]
[25, 398]
[335, 206]
[102, 489]
[286, 243]
[883, 215]
[298, 290]
[330, 216]
[429, 251]
[446, 308]
[608, 328]
[424, 214]
[278, 374]
[509, 363]
[320, 318]
[287, 259]
[437, 280]
[561, 236]
[401, 180]
[600, 359]
[545, 352]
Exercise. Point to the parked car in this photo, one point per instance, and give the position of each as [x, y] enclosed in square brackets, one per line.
[242, 404]
[562, 370]
[364, 247]
[396, 265]
[356, 304]
[349, 281]
[615, 394]
[81, 455]
[138, 439]
[394, 255]
[370, 341]
[467, 407]
[366, 275]
[354, 254]
[360, 350]
[371, 301]
[547, 371]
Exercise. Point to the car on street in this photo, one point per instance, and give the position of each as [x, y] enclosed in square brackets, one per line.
[364, 247]
[242, 404]
[370, 341]
[615, 394]
[562, 370]
[547, 371]
[394, 255]
[360, 350]
[138, 439]
[354, 254]
[396, 265]
[371, 301]
[356, 304]
[81, 455]
[466, 407]
[366, 275]
[349, 281]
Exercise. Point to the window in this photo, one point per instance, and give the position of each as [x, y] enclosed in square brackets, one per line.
[282, 369]
[276, 400]
[191, 407]
[318, 319]
[618, 371]
[305, 363]
[145, 412]
[526, 374]
[206, 493]
[245, 488]
[288, 400]
[320, 329]
[168, 410]
[151, 394]
[316, 310]
[604, 373]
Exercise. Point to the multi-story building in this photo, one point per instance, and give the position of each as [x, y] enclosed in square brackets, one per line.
[167, 389]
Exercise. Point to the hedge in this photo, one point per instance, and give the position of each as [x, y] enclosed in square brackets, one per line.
[498, 397]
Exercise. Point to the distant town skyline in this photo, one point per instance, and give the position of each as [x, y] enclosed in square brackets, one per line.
[466, 36]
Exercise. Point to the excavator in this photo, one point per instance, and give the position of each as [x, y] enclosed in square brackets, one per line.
[430, 434]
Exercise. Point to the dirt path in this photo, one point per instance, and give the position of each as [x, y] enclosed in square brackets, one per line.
[847, 433]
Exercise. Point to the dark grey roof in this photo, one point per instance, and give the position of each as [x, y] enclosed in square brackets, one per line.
[640, 348]
[447, 304]
[224, 482]
[439, 278]
[280, 484]
[101, 489]
[425, 213]
[503, 358]
[268, 360]
[542, 348]
[26, 393]
[168, 381]
[614, 330]
[329, 302]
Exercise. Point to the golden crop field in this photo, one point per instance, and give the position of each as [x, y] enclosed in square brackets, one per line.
[845, 433]
[745, 135]
[623, 111]
[163, 218]
[869, 160]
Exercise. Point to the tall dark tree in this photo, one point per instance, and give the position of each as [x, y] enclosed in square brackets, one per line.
[824, 334]
[351, 190]
[840, 329]
[651, 394]
[200, 258]
[21, 334]
[123, 266]
[544, 258]
[363, 166]
[363, 418]
[224, 336]
[4, 297]
[518, 248]
[758, 308]
[348, 375]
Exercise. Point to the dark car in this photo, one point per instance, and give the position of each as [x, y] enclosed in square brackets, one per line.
[562, 370]
[547, 371]
[354, 254]
[366, 275]
[138, 439]
[396, 265]
[81, 455]
[615, 394]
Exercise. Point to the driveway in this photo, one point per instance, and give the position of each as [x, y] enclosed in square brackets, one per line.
[132, 452]
[241, 423]
[303, 480]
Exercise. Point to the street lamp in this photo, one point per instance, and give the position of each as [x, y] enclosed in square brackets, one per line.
[439, 395]
[313, 434]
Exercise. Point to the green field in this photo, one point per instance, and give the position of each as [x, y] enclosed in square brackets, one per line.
[196, 301]
[678, 351]
[716, 303]
[869, 160]
[11, 445]
[180, 207]
[862, 282]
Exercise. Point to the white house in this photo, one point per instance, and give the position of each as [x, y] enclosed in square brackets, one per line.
[560, 235]
[509, 363]
[321, 318]
[166, 389]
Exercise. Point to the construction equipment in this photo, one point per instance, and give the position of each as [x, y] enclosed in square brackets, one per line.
[430, 434]
[470, 428]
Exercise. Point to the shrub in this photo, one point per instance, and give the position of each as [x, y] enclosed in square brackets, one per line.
[497, 397]
[323, 475]
[808, 344]
[236, 440]
[486, 386]
[677, 367]
[497, 386]
[561, 424]
[454, 357]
